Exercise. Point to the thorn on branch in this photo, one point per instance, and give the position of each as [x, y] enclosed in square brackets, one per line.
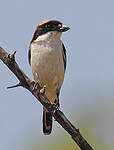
[12, 56]
[17, 85]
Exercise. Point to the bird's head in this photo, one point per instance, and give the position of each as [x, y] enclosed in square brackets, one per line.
[49, 29]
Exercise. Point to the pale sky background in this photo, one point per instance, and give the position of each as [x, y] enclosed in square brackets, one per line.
[88, 89]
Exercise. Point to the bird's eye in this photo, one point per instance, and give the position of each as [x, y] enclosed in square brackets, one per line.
[48, 25]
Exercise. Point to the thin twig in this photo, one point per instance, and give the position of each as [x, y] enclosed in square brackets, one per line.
[24, 81]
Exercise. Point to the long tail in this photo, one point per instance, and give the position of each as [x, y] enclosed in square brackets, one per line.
[47, 122]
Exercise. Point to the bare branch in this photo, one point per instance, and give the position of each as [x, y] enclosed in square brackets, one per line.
[13, 86]
[39, 93]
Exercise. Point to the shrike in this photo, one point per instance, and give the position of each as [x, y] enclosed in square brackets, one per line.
[47, 58]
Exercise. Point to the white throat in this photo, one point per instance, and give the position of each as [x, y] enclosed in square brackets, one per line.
[49, 36]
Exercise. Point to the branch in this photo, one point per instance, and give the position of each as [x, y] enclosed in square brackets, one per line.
[39, 93]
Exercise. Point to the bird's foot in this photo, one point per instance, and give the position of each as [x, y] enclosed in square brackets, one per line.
[56, 103]
[35, 86]
[56, 106]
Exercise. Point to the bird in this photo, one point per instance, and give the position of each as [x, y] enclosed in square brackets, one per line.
[47, 58]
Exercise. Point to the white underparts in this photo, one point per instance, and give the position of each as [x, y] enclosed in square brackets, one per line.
[47, 62]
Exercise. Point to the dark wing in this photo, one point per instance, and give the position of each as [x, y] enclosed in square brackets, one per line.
[29, 55]
[64, 56]
[36, 34]
[64, 61]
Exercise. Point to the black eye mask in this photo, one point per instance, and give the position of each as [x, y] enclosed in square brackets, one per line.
[52, 25]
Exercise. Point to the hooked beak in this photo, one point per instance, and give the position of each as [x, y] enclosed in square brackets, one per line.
[64, 28]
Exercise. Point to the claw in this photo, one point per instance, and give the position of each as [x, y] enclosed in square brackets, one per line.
[56, 103]
[42, 91]
[56, 107]
[36, 85]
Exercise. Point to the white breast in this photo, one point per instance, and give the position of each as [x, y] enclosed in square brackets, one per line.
[47, 65]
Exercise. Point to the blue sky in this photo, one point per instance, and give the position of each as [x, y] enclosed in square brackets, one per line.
[89, 81]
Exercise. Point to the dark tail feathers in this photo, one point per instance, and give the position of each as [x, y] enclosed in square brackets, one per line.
[47, 122]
